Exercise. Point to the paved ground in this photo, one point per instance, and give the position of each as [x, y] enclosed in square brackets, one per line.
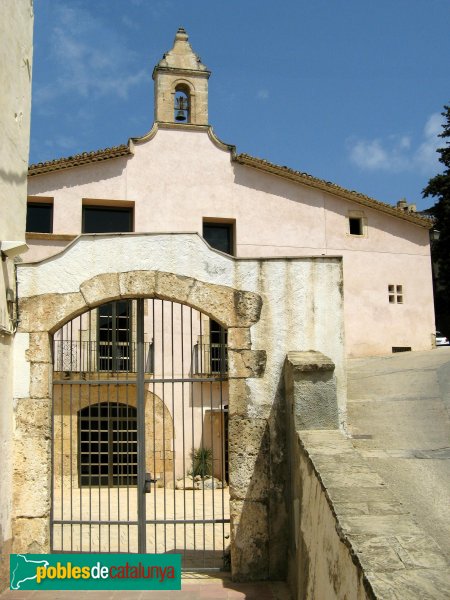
[398, 413]
[194, 587]
[201, 545]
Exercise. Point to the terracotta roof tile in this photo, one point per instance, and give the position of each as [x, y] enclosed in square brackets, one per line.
[79, 159]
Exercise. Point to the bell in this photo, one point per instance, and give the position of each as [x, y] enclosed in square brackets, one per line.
[180, 116]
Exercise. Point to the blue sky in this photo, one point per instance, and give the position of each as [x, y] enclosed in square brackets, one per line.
[350, 91]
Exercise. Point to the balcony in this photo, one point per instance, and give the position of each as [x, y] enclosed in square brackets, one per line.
[209, 359]
[91, 356]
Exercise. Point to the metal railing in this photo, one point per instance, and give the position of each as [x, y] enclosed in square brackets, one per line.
[92, 356]
[210, 359]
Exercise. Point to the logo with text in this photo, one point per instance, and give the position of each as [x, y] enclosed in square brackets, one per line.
[95, 571]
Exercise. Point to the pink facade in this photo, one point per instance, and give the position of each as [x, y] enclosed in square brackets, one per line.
[178, 175]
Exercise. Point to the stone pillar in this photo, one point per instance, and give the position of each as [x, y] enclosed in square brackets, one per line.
[32, 452]
[311, 390]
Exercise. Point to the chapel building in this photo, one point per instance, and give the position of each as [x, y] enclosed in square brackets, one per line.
[167, 281]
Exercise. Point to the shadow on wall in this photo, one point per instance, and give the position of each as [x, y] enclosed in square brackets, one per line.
[258, 501]
[84, 175]
[272, 184]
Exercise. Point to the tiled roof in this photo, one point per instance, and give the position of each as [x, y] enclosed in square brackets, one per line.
[79, 159]
[332, 188]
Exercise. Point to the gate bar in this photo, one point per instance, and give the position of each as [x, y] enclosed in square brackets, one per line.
[140, 404]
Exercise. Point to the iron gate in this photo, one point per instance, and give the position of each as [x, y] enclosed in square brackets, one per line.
[139, 419]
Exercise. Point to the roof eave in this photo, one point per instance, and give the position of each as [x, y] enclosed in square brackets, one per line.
[78, 160]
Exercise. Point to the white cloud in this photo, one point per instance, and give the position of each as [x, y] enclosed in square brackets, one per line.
[262, 94]
[89, 59]
[396, 153]
[65, 142]
[61, 142]
[426, 153]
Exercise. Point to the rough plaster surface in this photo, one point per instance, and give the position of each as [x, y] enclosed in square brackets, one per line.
[16, 51]
[271, 300]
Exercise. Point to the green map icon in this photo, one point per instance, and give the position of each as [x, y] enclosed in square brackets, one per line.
[23, 569]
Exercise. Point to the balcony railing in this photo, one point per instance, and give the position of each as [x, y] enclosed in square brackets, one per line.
[210, 359]
[90, 356]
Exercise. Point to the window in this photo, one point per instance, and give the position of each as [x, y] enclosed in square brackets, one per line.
[395, 294]
[219, 236]
[357, 223]
[114, 336]
[210, 351]
[218, 347]
[39, 217]
[107, 444]
[107, 219]
[355, 226]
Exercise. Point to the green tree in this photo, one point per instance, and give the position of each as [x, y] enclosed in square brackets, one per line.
[439, 187]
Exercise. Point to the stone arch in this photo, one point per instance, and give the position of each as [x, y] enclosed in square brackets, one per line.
[185, 88]
[230, 307]
[42, 315]
[182, 101]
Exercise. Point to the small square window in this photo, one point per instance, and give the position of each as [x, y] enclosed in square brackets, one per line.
[39, 217]
[355, 225]
[219, 236]
[395, 294]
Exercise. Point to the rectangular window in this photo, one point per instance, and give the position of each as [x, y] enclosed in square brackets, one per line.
[107, 219]
[218, 348]
[39, 217]
[219, 236]
[395, 294]
[355, 226]
[114, 336]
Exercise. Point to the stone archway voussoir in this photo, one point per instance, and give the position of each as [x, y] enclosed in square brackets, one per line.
[100, 289]
[47, 312]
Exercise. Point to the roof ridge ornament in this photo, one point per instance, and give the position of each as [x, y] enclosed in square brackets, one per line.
[181, 56]
[181, 34]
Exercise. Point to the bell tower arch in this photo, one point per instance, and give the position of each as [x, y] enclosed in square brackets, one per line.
[181, 85]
